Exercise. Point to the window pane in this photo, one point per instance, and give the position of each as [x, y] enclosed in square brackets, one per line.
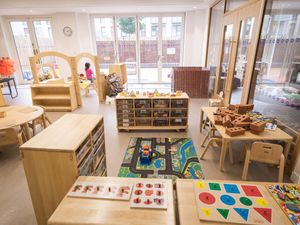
[233, 4]
[171, 43]
[23, 45]
[105, 42]
[277, 70]
[126, 28]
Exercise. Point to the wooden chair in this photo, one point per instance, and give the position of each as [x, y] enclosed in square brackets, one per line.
[11, 136]
[42, 121]
[213, 139]
[265, 153]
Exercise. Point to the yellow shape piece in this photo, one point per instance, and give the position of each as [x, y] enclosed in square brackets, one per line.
[262, 202]
[206, 212]
[200, 184]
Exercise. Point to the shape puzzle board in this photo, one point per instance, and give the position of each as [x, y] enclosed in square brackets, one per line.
[147, 194]
[288, 198]
[232, 203]
[172, 158]
[101, 190]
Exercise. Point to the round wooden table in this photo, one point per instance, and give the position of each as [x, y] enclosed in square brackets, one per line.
[20, 116]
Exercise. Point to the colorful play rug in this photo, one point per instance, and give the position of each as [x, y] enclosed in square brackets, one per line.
[172, 158]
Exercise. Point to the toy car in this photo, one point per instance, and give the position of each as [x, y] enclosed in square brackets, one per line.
[145, 155]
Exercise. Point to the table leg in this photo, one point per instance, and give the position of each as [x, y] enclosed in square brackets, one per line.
[287, 150]
[27, 132]
[15, 88]
[201, 120]
[9, 88]
[223, 154]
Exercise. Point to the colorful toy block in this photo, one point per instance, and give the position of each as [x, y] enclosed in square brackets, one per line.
[218, 120]
[227, 121]
[257, 125]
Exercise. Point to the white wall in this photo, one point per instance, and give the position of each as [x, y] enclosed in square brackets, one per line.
[195, 37]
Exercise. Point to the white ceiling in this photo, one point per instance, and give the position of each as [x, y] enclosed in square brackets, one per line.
[39, 7]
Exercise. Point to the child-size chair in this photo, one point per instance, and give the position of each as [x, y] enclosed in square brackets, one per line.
[265, 153]
[42, 121]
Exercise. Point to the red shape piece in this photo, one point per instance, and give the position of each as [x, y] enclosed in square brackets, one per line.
[265, 213]
[147, 202]
[137, 200]
[251, 190]
[148, 192]
[139, 185]
[207, 198]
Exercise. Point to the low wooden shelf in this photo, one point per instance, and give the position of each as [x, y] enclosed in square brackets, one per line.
[152, 113]
[54, 97]
[72, 146]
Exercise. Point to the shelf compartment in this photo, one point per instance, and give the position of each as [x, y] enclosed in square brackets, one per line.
[179, 113]
[178, 122]
[161, 122]
[143, 122]
[160, 113]
[51, 97]
[143, 112]
[161, 103]
[99, 141]
[125, 102]
[98, 155]
[101, 168]
[179, 103]
[82, 151]
[142, 103]
[86, 167]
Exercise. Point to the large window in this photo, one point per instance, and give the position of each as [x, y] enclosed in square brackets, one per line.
[149, 45]
[276, 90]
[30, 37]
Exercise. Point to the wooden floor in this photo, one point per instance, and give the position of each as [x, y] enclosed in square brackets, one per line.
[18, 210]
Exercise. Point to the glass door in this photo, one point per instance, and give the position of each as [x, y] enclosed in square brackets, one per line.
[127, 45]
[30, 37]
[239, 44]
[149, 46]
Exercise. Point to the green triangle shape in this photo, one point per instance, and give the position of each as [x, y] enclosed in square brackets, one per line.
[224, 212]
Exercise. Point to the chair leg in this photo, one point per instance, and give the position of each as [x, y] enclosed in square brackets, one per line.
[281, 168]
[246, 165]
[205, 139]
[208, 145]
[33, 128]
[20, 138]
[230, 153]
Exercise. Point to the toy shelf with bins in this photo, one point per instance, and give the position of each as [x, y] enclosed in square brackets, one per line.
[152, 113]
[72, 146]
[54, 97]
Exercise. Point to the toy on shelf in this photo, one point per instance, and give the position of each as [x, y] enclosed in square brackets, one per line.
[233, 203]
[145, 155]
[148, 194]
[287, 197]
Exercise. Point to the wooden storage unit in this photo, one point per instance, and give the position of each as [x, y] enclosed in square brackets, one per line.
[54, 97]
[192, 80]
[72, 146]
[152, 113]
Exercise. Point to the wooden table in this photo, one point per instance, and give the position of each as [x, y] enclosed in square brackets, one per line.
[99, 211]
[20, 116]
[188, 212]
[267, 135]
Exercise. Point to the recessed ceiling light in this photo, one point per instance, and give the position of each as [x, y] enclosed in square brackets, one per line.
[30, 10]
[83, 10]
[195, 7]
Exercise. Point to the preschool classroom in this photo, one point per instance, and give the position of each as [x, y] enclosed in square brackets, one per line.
[138, 112]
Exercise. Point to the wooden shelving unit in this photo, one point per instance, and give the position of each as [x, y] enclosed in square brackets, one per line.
[54, 97]
[72, 146]
[152, 113]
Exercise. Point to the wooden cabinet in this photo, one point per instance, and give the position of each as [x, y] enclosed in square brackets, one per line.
[155, 113]
[54, 97]
[72, 146]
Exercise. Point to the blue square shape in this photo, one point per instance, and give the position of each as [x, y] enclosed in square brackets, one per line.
[232, 188]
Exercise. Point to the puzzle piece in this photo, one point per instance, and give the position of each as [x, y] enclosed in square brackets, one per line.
[265, 213]
[246, 201]
[224, 212]
[207, 198]
[200, 184]
[231, 188]
[206, 212]
[227, 200]
[244, 213]
[262, 202]
[251, 190]
[214, 186]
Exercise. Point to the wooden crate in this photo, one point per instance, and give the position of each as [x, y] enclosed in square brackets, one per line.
[72, 146]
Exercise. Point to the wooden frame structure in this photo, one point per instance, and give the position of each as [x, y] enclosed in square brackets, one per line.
[100, 83]
[2, 102]
[55, 95]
